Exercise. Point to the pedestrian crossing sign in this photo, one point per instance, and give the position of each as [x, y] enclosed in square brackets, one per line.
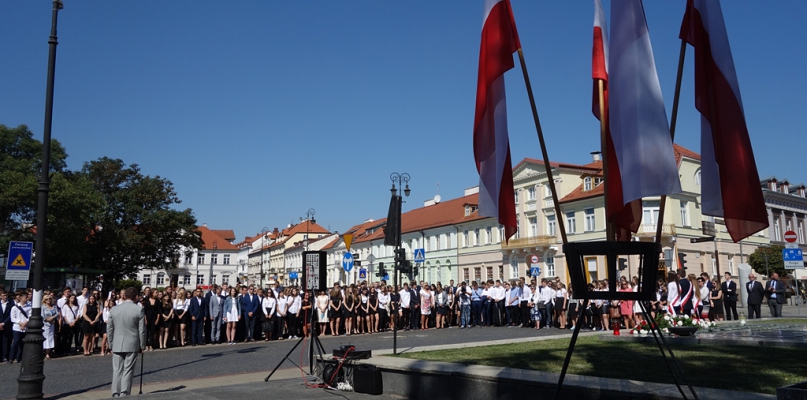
[18, 266]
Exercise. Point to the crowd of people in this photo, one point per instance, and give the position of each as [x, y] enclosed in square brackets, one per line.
[75, 323]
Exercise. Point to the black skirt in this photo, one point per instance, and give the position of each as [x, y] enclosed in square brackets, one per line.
[88, 328]
[334, 314]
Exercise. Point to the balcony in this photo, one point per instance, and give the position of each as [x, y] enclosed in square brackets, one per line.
[535, 241]
[649, 230]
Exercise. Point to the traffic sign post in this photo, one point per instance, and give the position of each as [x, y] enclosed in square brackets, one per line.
[793, 258]
[362, 273]
[347, 262]
[535, 269]
[791, 237]
[419, 256]
[18, 264]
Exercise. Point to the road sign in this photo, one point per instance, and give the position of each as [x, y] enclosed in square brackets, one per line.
[534, 259]
[420, 255]
[362, 273]
[18, 266]
[386, 277]
[371, 259]
[348, 238]
[292, 275]
[708, 228]
[793, 258]
[791, 237]
[347, 262]
[535, 272]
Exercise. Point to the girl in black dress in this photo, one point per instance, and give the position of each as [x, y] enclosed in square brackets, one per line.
[152, 309]
[89, 319]
[305, 312]
[372, 312]
[167, 314]
[348, 307]
[335, 311]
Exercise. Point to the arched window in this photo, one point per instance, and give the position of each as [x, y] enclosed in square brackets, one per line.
[698, 177]
[513, 266]
[549, 261]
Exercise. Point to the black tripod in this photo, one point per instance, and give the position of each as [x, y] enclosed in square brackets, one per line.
[315, 344]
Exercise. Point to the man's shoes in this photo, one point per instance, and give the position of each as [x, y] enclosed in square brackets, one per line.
[115, 395]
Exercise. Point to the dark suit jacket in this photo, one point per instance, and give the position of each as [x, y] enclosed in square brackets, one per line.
[729, 290]
[755, 293]
[780, 291]
[414, 297]
[198, 308]
[249, 304]
[5, 319]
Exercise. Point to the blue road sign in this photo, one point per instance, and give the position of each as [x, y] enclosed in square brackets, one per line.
[535, 272]
[347, 262]
[362, 273]
[386, 277]
[18, 267]
[292, 275]
[420, 255]
[793, 258]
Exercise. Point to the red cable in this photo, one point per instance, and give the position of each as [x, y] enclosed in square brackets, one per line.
[341, 362]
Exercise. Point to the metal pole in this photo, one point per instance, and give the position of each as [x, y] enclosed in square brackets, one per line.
[210, 277]
[29, 383]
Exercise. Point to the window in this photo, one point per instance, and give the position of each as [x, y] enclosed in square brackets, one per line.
[160, 279]
[477, 274]
[466, 276]
[731, 265]
[214, 259]
[650, 212]
[225, 279]
[516, 196]
[550, 225]
[570, 222]
[587, 184]
[684, 213]
[513, 266]
[531, 194]
[547, 190]
[476, 237]
[465, 239]
[501, 233]
[437, 242]
[518, 227]
[200, 259]
[777, 230]
[501, 272]
[226, 259]
[801, 232]
[213, 279]
[200, 279]
[186, 279]
[591, 221]
[550, 264]
[698, 177]
[146, 279]
[488, 235]
[189, 260]
[489, 272]
[533, 227]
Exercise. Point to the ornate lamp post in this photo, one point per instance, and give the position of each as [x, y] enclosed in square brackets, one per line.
[210, 277]
[263, 244]
[29, 383]
[395, 205]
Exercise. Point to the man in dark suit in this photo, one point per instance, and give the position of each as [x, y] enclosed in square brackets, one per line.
[729, 297]
[755, 294]
[198, 311]
[5, 326]
[775, 291]
[414, 305]
[249, 307]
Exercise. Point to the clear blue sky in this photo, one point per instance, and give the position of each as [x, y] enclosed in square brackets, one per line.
[260, 110]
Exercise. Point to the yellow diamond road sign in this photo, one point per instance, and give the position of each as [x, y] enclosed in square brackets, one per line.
[19, 261]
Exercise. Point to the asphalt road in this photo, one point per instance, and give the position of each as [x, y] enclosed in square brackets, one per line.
[77, 374]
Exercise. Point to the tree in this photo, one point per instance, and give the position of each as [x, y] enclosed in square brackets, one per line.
[20, 162]
[137, 227]
[773, 262]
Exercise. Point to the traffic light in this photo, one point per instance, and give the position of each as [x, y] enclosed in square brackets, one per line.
[682, 260]
[416, 271]
[381, 271]
[400, 259]
[623, 264]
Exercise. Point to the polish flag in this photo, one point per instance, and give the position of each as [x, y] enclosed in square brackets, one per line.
[626, 217]
[729, 175]
[491, 143]
[638, 120]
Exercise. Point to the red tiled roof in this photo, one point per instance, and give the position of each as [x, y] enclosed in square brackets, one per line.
[225, 233]
[552, 164]
[683, 151]
[210, 239]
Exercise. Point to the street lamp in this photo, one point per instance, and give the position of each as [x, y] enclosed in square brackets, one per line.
[241, 262]
[401, 179]
[263, 244]
[210, 277]
[29, 383]
[309, 217]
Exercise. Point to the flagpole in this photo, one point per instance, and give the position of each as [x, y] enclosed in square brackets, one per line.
[543, 148]
[673, 120]
[609, 226]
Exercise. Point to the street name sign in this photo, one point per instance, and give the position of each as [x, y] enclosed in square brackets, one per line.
[18, 265]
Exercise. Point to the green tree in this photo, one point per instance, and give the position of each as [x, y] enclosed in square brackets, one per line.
[74, 208]
[20, 162]
[137, 227]
[766, 260]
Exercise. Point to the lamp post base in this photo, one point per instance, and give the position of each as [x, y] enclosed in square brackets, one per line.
[29, 383]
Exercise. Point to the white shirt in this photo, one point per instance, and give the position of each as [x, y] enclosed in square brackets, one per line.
[70, 314]
[383, 299]
[179, 304]
[61, 302]
[105, 314]
[545, 294]
[282, 305]
[705, 295]
[268, 304]
[295, 304]
[405, 298]
[82, 301]
[526, 293]
[17, 317]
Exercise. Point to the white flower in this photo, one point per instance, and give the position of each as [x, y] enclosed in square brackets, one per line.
[667, 317]
[644, 331]
[713, 323]
[666, 330]
[635, 332]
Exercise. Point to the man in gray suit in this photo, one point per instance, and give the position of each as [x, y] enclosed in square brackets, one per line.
[214, 305]
[126, 330]
[775, 291]
[755, 295]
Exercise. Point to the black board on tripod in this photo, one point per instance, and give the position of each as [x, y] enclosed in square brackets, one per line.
[315, 273]
[648, 254]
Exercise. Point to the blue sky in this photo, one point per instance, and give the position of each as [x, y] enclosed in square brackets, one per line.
[260, 110]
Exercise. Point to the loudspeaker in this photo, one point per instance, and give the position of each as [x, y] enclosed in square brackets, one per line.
[367, 379]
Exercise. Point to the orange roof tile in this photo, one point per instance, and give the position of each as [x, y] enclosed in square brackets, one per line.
[552, 164]
[211, 239]
[225, 233]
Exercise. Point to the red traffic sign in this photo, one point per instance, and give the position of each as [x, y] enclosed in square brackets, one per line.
[534, 259]
[791, 237]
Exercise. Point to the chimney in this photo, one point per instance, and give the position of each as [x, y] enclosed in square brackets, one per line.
[275, 231]
[596, 156]
[205, 224]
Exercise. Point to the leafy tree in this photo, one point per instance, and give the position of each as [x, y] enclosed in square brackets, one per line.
[774, 263]
[74, 207]
[20, 162]
[137, 227]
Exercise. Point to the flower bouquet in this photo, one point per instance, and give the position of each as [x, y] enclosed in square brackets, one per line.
[643, 327]
[681, 325]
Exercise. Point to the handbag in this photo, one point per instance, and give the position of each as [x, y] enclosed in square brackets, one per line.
[268, 326]
[615, 313]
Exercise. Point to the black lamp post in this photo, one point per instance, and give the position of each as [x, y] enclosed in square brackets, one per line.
[210, 277]
[401, 179]
[29, 383]
[264, 231]
[309, 218]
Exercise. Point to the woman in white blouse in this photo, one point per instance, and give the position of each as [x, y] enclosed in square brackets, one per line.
[269, 305]
[282, 306]
[179, 313]
[71, 322]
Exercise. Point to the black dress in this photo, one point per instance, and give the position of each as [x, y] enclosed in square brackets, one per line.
[91, 311]
[166, 312]
[337, 303]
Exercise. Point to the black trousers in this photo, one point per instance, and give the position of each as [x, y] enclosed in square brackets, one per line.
[525, 314]
[731, 307]
[291, 320]
[754, 309]
[407, 315]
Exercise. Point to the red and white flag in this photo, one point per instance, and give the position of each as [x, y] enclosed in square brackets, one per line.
[626, 217]
[491, 143]
[729, 176]
[637, 117]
